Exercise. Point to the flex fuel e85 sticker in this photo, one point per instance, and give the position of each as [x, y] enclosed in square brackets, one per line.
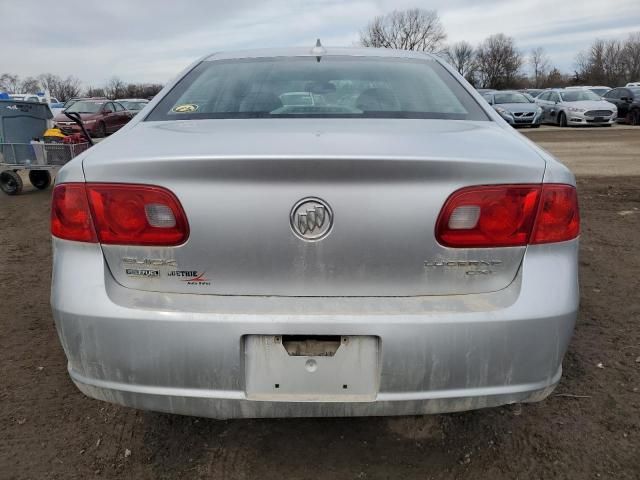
[185, 108]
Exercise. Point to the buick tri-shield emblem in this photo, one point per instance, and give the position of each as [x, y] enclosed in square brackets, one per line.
[311, 219]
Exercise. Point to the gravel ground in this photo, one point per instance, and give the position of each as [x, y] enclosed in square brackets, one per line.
[590, 427]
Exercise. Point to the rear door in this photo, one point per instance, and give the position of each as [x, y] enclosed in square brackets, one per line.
[110, 117]
[122, 115]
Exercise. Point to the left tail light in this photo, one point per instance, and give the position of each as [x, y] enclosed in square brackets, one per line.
[118, 214]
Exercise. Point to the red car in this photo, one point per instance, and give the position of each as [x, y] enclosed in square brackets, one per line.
[99, 117]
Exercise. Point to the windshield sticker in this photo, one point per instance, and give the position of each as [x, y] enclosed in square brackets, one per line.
[185, 108]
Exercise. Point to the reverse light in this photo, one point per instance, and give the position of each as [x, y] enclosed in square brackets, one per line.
[508, 216]
[118, 214]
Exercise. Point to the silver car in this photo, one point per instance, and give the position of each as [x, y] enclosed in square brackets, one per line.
[395, 248]
[515, 108]
[576, 106]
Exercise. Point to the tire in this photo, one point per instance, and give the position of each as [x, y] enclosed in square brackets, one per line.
[562, 120]
[41, 179]
[101, 130]
[10, 182]
[535, 126]
[635, 117]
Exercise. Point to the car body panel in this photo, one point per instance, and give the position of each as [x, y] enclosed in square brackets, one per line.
[367, 173]
[185, 352]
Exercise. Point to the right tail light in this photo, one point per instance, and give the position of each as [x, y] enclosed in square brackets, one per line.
[508, 216]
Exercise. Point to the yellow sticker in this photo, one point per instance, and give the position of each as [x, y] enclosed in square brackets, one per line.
[186, 108]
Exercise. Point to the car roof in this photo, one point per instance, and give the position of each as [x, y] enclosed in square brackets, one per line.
[311, 52]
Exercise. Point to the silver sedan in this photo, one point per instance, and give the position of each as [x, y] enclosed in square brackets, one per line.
[517, 109]
[393, 247]
[576, 106]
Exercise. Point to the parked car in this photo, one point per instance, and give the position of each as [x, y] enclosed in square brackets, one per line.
[575, 106]
[627, 100]
[482, 91]
[134, 105]
[633, 84]
[403, 251]
[515, 108]
[99, 117]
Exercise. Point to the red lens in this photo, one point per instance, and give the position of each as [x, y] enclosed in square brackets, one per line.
[70, 215]
[506, 216]
[121, 215]
[558, 216]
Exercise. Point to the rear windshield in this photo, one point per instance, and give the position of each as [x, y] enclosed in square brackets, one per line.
[334, 87]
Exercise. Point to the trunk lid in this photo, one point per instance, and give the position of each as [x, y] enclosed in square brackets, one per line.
[383, 181]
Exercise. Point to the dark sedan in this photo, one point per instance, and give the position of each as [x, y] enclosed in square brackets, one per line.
[627, 99]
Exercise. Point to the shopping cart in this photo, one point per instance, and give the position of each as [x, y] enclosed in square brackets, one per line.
[38, 158]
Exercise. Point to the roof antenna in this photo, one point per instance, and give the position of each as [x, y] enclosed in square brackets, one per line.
[318, 50]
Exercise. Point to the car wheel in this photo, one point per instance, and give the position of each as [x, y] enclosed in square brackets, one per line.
[40, 179]
[535, 126]
[635, 117]
[10, 182]
[101, 130]
[562, 119]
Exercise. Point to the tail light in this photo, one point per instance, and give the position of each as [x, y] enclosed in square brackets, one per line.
[118, 214]
[509, 216]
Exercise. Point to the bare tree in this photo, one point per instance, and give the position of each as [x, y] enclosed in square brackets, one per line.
[115, 88]
[610, 62]
[499, 62]
[631, 57]
[68, 88]
[94, 92]
[540, 65]
[49, 82]
[462, 57]
[414, 29]
[61, 88]
[10, 83]
[30, 85]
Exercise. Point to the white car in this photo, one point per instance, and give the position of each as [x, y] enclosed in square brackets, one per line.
[576, 106]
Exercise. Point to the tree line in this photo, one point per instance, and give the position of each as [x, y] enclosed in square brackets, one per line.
[65, 88]
[497, 62]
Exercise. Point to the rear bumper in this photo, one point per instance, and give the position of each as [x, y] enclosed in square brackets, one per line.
[183, 353]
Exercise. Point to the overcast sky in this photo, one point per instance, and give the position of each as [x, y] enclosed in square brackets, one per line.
[152, 40]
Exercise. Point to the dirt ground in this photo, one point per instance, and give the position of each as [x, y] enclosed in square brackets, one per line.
[48, 430]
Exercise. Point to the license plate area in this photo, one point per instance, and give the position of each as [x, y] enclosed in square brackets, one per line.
[312, 368]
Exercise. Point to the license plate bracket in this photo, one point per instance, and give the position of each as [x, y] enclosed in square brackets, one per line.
[350, 374]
